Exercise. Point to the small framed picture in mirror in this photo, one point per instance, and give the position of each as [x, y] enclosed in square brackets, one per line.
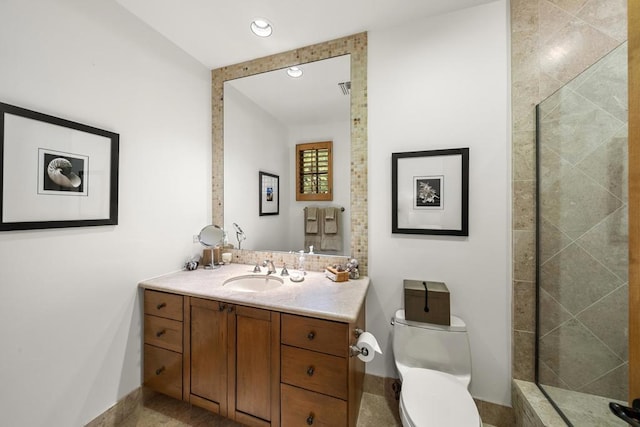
[269, 193]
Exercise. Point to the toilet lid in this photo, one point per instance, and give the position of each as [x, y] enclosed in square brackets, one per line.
[432, 398]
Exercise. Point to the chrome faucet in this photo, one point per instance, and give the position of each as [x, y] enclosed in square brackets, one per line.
[271, 269]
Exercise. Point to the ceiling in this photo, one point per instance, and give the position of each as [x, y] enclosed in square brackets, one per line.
[216, 32]
[313, 99]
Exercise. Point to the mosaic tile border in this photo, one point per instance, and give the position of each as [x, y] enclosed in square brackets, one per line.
[356, 46]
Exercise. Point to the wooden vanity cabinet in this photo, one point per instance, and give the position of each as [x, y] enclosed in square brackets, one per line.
[163, 333]
[235, 361]
[208, 354]
[258, 367]
[321, 382]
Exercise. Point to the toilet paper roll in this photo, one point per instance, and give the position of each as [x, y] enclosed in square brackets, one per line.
[369, 346]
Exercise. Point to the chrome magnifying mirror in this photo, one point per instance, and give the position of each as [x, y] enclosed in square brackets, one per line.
[210, 236]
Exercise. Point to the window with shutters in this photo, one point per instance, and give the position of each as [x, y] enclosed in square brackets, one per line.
[314, 171]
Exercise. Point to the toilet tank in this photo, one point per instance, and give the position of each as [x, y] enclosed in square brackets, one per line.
[430, 346]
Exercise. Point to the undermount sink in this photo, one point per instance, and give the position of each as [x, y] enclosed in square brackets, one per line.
[253, 283]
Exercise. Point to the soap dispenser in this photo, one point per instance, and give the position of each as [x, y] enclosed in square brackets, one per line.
[301, 262]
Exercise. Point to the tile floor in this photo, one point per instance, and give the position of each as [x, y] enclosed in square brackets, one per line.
[160, 410]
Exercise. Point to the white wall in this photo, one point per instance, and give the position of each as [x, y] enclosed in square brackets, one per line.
[443, 83]
[69, 305]
[71, 324]
[259, 143]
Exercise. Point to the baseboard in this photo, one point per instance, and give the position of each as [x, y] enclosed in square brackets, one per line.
[123, 408]
[491, 413]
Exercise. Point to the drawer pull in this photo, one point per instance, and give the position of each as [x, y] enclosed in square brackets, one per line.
[160, 370]
[310, 419]
[161, 305]
[161, 333]
[311, 335]
[310, 371]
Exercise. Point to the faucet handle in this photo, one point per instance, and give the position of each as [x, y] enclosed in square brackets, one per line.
[284, 272]
[271, 268]
[256, 269]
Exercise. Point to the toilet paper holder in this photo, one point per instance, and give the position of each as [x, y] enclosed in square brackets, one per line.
[354, 350]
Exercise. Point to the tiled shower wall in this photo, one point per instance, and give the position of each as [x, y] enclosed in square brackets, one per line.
[552, 41]
[584, 289]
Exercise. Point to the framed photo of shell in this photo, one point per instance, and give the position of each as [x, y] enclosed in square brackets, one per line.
[430, 192]
[55, 173]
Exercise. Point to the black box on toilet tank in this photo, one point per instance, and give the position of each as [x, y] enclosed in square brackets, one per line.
[426, 301]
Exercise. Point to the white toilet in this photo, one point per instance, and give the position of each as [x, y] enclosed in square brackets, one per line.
[434, 364]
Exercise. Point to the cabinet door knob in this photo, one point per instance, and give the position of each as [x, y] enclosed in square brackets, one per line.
[311, 335]
[161, 333]
[230, 310]
[160, 370]
[221, 306]
[310, 371]
[310, 419]
[161, 305]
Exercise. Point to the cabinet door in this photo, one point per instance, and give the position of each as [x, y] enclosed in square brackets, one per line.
[256, 355]
[314, 334]
[209, 354]
[303, 407]
[163, 371]
[315, 371]
[163, 304]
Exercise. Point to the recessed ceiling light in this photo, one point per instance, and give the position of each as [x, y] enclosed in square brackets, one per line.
[294, 72]
[261, 27]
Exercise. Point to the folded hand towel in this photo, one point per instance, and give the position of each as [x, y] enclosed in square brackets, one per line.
[311, 223]
[329, 213]
[330, 221]
[312, 213]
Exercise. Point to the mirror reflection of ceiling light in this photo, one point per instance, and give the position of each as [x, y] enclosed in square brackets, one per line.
[261, 27]
[294, 72]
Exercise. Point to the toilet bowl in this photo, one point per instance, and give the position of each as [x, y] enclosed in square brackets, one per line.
[434, 365]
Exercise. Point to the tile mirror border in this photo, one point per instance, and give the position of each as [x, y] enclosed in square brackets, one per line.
[356, 46]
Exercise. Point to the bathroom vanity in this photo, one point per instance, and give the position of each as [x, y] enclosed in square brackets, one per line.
[279, 356]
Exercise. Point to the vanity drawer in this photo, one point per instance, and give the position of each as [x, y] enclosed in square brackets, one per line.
[163, 370]
[163, 304]
[302, 407]
[315, 334]
[314, 371]
[162, 332]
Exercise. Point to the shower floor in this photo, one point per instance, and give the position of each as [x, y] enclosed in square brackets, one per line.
[585, 410]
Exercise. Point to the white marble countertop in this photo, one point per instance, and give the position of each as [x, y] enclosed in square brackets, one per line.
[316, 296]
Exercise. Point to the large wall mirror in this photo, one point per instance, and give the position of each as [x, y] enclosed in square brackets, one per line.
[248, 92]
[265, 116]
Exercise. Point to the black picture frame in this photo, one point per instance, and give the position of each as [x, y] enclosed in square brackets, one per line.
[430, 192]
[268, 193]
[55, 173]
